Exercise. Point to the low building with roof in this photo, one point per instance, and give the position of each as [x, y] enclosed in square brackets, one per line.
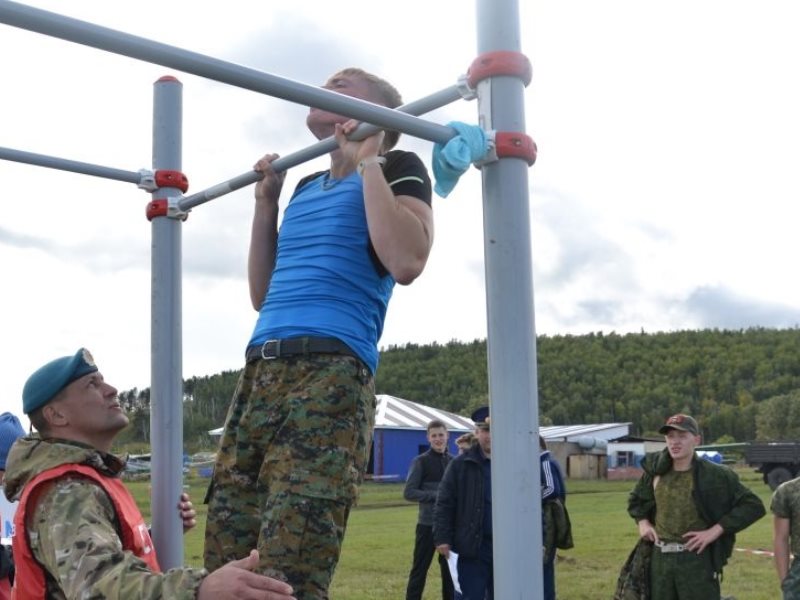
[581, 450]
[401, 434]
[625, 455]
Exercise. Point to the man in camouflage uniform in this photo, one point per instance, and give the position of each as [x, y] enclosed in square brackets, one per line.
[74, 521]
[785, 507]
[298, 433]
[691, 510]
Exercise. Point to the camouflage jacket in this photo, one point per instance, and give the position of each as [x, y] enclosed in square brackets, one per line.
[634, 577]
[717, 493]
[73, 529]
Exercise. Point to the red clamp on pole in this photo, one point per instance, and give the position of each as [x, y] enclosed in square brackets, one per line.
[166, 207]
[515, 145]
[500, 62]
[173, 179]
[156, 208]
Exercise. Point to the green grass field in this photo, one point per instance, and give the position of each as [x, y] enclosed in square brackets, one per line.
[380, 537]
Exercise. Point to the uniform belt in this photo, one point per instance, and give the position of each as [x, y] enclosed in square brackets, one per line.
[302, 346]
[665, 547]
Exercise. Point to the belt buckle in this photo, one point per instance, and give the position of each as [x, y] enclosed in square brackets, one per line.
[276, 343]
[672, 547]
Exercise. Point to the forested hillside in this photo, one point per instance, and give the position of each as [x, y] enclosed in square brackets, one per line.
[741, 384]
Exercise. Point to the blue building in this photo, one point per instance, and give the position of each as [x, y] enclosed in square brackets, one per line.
[400, 435]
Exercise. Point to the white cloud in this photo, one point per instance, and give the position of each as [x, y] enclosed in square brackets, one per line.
[664, 195]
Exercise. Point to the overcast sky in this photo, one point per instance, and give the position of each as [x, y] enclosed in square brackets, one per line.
[664, 197]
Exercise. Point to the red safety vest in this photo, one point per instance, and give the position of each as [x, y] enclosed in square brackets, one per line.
[5, 589]
[29, 579]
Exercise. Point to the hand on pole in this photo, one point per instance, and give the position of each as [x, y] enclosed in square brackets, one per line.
[268, 189]
[356, 151]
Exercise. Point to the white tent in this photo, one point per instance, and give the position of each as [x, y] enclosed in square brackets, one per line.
[396, 413]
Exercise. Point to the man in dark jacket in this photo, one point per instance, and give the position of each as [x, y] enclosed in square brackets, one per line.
[463, 513]
[554, 496]
[422, 484]
[691, 510]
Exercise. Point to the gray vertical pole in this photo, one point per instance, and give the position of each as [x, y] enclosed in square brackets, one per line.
[516, 491]
[166, 394]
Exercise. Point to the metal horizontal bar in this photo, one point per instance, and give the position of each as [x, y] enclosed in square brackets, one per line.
[118, 42]
[284, 163]
[54, 162]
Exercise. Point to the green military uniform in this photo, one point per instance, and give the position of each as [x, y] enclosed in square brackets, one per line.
[679, 574]
[72, 529]
[712, 494]
[293, 454]
[786, 505]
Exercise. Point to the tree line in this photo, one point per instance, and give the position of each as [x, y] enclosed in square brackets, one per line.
[740, 384]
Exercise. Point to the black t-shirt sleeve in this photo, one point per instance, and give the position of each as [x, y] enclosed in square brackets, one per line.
[407, 176]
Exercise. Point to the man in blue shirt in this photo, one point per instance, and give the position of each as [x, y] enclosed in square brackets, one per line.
[298, 433]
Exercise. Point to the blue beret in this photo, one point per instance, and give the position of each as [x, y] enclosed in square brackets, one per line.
[50, 379]
[10, 430]
[481, 417]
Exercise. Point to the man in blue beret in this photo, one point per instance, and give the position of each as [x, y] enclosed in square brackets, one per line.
[10, 430]
[463, 513]
[67, 475]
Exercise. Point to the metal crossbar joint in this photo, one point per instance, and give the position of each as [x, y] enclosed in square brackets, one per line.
[515, 144]
[147, 180]
[465, 89]
[499, 63]
[175, 179]
[508, 144]
[166, 207]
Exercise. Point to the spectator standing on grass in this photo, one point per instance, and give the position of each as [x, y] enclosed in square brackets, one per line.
[690, 509]
[77, 530]
[555, 523]
[421, 486]
[785, 507]
[463, 513]
[10, 430]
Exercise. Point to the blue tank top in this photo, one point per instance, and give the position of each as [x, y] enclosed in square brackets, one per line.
[325, 283]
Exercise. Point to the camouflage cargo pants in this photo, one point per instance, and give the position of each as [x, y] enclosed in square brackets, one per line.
[291, 458]
[790, 586]
[682, 576]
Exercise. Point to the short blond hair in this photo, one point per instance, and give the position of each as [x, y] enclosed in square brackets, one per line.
[384, 91]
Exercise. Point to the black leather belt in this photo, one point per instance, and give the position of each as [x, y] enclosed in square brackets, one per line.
[302, 346]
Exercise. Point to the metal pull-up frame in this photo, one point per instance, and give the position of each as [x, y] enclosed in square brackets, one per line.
[516, 496]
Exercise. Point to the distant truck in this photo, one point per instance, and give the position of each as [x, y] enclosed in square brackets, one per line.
[776, 461]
